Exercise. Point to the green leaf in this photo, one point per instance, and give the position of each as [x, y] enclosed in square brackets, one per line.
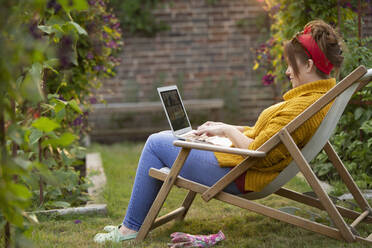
[51, 64]
[369, 144]
[13, 217]
[55, 19]
[69, 5]
[78, 28]
[358, 113]
[51, 96]
[15, 133]
[65, 140]
[61, 114]
[45, 124]
[31, 85]
[46, 29]
[367, 126]
[59, 105]
[73, 104]
[25, 164]
[20, 191]
[35, 136]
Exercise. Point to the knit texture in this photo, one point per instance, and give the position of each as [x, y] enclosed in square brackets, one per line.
[270, 121]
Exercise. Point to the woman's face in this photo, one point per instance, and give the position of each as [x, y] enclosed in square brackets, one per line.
[296, 80]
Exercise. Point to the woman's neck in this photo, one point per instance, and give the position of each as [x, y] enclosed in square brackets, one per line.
[310, 77]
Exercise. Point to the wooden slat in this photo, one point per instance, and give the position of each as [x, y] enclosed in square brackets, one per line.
[254, 207]
[136, 107]
[228, 178]
[360, 218]
[369, 237]
[365, 240]
[187, 203]
[346, 177]
[162, 195]
[168, 217]
[313, 202]
[315, 185]
[123, 131]
[216, 148]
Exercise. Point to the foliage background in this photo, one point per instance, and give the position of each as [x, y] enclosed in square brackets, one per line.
[53, 54]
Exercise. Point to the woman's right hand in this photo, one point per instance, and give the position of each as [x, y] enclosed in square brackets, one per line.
[210, 124]
[214, 124]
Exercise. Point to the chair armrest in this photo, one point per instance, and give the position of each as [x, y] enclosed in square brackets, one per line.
[216, 148]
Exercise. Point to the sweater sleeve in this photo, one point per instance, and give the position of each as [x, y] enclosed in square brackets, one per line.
[277, 122]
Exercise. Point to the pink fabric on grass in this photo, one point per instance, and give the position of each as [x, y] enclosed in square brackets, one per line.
[180, 239]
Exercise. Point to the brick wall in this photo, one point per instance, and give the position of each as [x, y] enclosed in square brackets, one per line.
[204, 53]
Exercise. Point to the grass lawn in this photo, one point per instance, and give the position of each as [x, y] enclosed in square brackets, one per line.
[241, 228]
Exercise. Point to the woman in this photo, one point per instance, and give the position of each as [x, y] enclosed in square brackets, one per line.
[311, 55]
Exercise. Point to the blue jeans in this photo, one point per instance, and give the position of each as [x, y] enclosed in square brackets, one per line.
[200, 166]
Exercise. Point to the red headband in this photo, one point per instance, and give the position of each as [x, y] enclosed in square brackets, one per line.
[314, 52]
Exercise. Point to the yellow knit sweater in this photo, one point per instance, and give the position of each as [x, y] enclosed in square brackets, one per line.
[270, 121]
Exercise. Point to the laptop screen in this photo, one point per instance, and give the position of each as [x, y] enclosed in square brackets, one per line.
[175, 110]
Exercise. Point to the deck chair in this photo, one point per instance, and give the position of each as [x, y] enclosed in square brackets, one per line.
[342, 93]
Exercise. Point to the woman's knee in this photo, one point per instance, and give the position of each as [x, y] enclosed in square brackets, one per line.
[159, 137]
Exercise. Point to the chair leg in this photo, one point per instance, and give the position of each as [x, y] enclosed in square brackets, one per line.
[162, 195]
[186, 204]
[314, 183]
[346, 177]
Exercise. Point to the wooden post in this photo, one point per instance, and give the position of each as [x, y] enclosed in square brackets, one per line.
[315, 185]
[162, 195]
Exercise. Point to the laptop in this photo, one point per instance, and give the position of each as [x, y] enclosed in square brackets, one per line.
[179, 121]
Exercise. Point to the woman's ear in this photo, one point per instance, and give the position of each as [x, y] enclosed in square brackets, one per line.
[310, 65]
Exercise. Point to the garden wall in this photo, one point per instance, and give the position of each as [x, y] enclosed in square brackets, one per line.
[205, 52]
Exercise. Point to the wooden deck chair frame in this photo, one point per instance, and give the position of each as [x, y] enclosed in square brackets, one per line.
[342, 92]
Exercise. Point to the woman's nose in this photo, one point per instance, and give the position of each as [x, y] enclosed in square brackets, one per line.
[287, 72]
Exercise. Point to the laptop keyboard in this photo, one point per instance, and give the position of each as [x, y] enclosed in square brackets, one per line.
[214, 140]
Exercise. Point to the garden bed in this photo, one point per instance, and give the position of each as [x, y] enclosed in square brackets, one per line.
[93, 170]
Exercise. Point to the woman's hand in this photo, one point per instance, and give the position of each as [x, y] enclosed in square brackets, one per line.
[214, 124]
[234, 133]
[213, 129]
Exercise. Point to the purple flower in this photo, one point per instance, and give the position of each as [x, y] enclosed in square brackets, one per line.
[91, 2]
[90, 56]
[34, 30]
[348, 5]
[64, 51]
[112, 44]
[78, 121]
[93, 100]
[105, 35]
[101, 2]
[116, 25]
[77, 221]
[107, 18]
[275, 8]
[268, 79]
[52, 4]
[60, 97]
[99, 68]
